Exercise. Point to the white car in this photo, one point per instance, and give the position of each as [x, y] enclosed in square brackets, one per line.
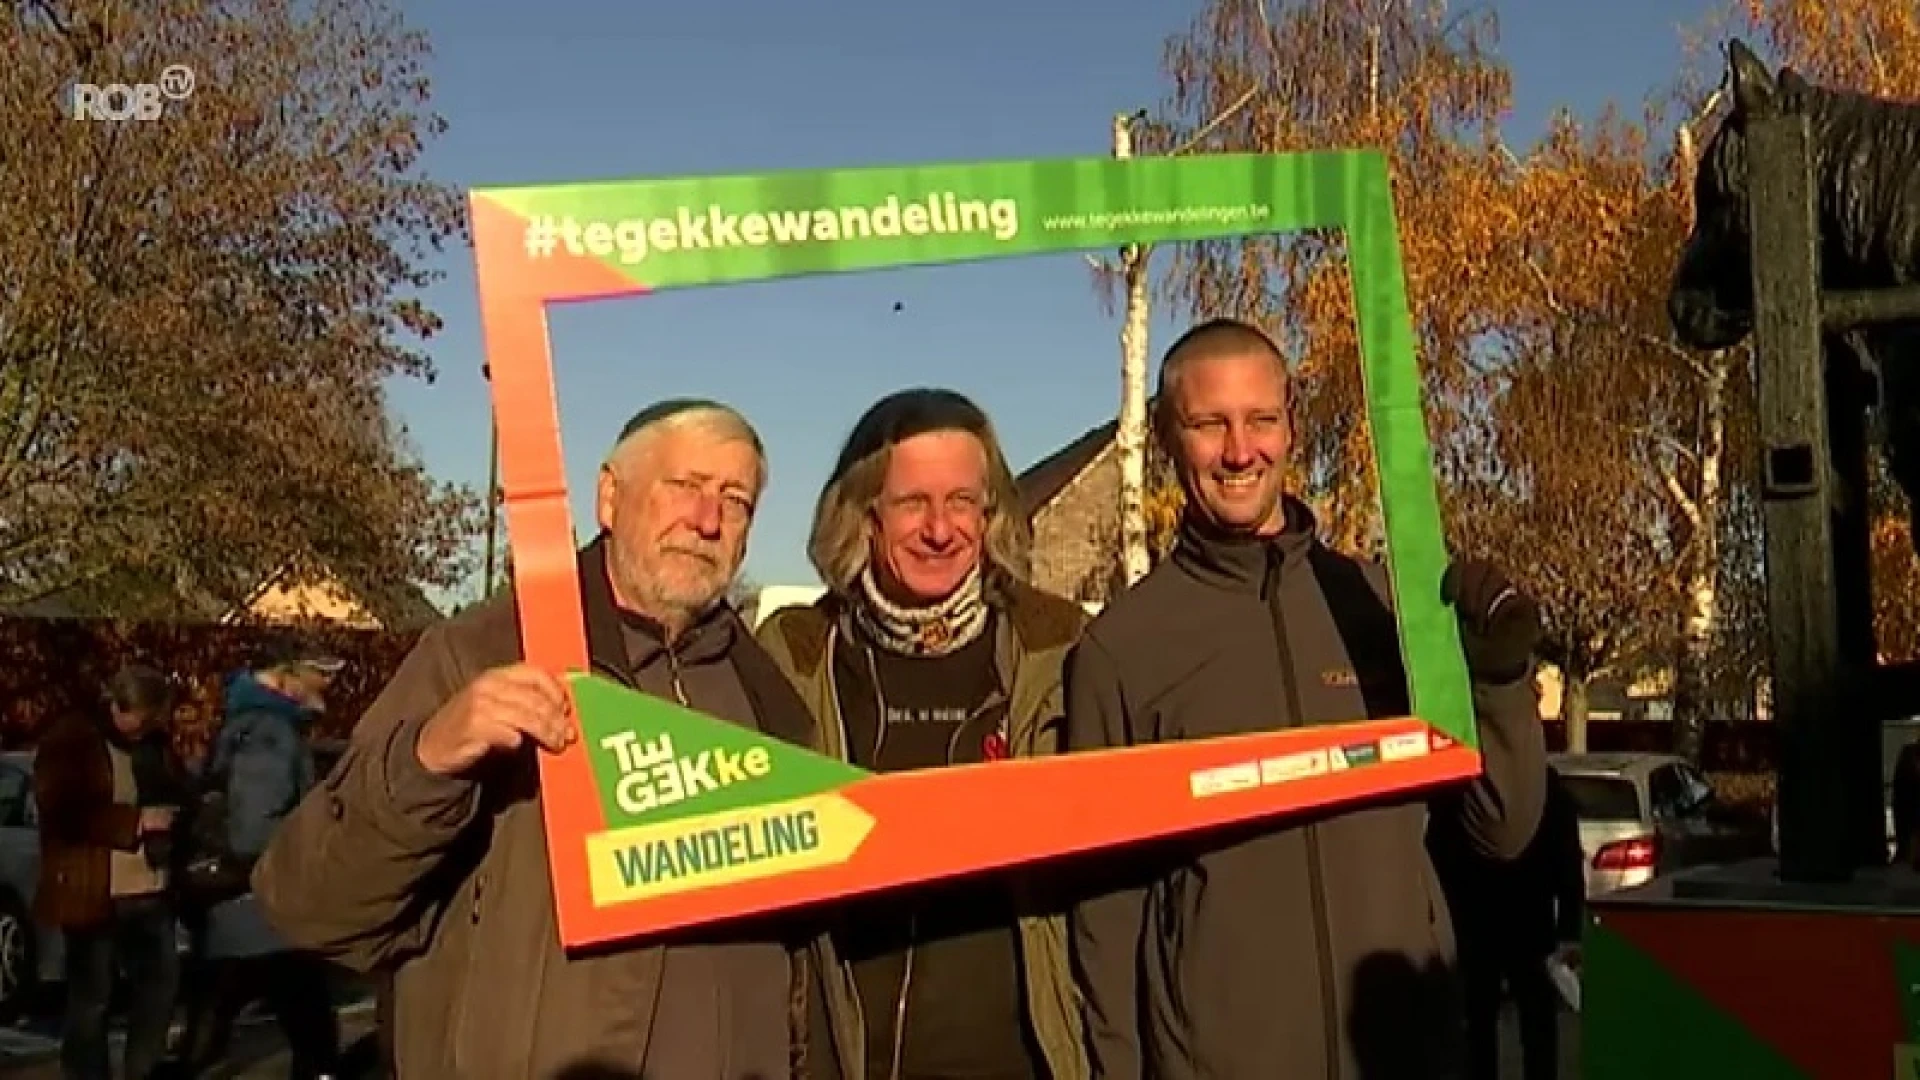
[30, 955]
[1643, 814]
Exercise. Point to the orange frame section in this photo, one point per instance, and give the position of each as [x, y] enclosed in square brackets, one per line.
[515, 292]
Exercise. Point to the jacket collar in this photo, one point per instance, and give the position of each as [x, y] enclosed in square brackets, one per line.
[1240, 563]
[708, 640]
[777, 708]
[1024, 619]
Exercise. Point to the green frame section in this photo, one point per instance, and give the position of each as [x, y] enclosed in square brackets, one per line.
[681, 232]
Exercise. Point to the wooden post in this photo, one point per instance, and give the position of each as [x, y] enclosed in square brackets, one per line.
[493, 491]
[1796, 490]
[1130, 437]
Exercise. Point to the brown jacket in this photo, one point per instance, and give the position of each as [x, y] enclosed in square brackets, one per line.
[444, 883]
[80, 825]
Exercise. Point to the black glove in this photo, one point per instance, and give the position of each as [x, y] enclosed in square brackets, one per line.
[1499, 624]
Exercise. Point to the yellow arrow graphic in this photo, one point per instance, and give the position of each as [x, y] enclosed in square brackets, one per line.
[724, 848]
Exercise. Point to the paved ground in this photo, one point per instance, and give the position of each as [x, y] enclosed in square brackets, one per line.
[1569, 1047]
[30, 1053]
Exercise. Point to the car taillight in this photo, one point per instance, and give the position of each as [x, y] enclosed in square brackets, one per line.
[1639, 853]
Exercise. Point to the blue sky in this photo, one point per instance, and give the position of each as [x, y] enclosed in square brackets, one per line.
[589, 89]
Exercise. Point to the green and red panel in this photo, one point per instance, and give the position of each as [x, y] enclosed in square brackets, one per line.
[1755, 994]
[554, 243]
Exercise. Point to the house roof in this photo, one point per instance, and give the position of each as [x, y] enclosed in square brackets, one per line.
[397, 606]
[1043, 481]
[401, 606]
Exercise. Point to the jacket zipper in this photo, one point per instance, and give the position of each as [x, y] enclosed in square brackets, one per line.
[673, 673]
[900, 1007]
[953, 741]
[846, 969]
[913, 922]
[1323, 948]
[833, 694]
[626, 680]
[879, 704]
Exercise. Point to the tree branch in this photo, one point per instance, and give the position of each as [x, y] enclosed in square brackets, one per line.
[1225, 115]
[1675, 446]
[1652, 341]
[1689, 509]
[1879, 61]
[1138, 253]
[1266, 28]
[1706, 109]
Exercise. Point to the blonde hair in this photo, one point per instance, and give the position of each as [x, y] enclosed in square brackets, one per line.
[841, 543]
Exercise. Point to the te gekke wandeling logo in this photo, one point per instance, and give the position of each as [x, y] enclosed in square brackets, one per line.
[138, 101]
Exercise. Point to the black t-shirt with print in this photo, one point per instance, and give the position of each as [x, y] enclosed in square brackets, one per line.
[965, 1014]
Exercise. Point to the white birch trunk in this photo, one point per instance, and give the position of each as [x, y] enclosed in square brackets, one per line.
[1131, 437]
[1703, 586]
[1702, 508]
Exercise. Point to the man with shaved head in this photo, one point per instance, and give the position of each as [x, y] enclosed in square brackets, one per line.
[1316, 946]
[423, 854]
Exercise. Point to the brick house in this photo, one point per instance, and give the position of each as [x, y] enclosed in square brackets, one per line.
[1072, 497]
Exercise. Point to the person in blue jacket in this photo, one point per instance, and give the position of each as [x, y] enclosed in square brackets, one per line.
[262, 758]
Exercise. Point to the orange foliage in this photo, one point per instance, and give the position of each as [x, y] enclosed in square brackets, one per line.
[1896, 574]
[198, 332]
[1413, 79]
[1573, 440]
[1590, 411]
[1164, 504]
[1872, 46]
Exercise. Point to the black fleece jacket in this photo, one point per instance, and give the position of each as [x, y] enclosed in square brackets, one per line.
[1318, 946]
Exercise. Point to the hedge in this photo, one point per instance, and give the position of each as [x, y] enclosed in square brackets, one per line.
[56, 666]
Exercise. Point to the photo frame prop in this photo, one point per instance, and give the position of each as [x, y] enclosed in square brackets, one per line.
[643, 836]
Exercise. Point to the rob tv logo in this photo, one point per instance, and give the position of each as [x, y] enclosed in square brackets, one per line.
[140, 101]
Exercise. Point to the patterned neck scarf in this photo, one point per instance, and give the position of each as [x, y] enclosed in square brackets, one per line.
[936, 630]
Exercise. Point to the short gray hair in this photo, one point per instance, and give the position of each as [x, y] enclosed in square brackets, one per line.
[722, 422]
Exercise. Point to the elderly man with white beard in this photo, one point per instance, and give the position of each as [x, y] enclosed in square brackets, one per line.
[423, 855]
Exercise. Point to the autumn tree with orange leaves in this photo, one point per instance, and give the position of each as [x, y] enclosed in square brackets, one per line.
[1872, 46]
[199, 313]
[1426, 86]
[1552, 416]
[1588, 419]
[1574, 440]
